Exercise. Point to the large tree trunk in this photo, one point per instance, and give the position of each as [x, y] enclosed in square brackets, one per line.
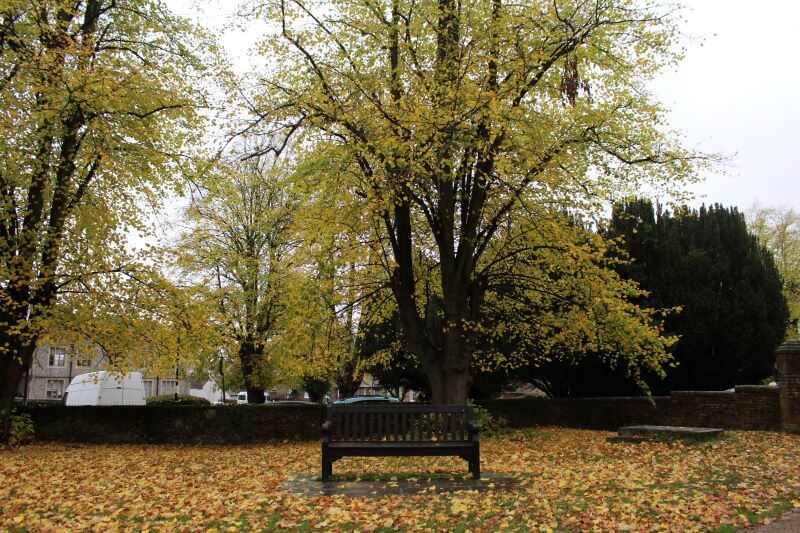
[447, 366]
[255, 395]
[12, 368]
[448, 385]
[247, 356]
[349, 378]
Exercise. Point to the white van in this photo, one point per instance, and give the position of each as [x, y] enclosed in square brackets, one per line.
[241, 398]
[106, 388]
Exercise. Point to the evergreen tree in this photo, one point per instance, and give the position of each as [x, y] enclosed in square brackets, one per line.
[731, 311]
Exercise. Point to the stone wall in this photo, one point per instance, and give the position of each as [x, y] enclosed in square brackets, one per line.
[748, 407]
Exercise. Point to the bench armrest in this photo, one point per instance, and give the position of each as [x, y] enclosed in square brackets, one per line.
[326, 431]
[474, 431]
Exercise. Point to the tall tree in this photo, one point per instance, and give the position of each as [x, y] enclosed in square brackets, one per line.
[558, 312]
[459, 116]
[705, 262]
[97, 103]
[239, 242]
[778, 228]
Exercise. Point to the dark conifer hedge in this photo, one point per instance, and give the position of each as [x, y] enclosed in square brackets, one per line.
[706, 262]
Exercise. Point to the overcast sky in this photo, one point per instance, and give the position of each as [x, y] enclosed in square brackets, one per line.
[736, 93]
[739, 94]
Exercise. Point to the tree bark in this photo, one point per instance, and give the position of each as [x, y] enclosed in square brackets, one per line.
[349, 378]
[12, 367]
[247, 357]
[448, 386]
[30, 294]
[255, 395]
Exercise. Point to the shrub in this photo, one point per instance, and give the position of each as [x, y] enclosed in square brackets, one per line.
[489, 424]
[22, 430]
[183, 399]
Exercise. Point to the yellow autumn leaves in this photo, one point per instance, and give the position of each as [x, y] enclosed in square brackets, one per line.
[565, 480]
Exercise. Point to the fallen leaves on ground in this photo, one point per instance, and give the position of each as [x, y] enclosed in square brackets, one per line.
[567, 480]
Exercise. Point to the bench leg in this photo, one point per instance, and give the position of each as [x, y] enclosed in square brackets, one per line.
[327, 465]
[475, 463]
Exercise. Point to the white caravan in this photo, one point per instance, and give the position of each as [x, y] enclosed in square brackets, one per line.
[106, 388]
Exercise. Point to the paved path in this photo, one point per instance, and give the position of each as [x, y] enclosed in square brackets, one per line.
[312, 486]
[788, 523]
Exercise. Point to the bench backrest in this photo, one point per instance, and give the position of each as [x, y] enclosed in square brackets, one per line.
[399, 423]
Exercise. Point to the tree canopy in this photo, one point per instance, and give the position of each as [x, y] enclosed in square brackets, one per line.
[98, 106]
[239, 242]
[778, 229]
[466, 125]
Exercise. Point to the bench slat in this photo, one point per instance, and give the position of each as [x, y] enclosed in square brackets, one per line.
[407, 407]
[393, 423]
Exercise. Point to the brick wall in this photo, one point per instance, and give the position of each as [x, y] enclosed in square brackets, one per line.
[239, 424]
[788, 363]
[750, 407]
[589, 413]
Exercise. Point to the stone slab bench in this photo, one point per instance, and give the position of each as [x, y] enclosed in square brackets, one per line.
[669, 432]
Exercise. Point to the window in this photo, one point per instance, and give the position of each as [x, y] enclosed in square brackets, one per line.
[169, 386]
[149, 388]
[84, 361]
[55, 389]
[58, 356]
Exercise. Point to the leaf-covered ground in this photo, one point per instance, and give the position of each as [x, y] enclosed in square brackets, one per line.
[567, 480]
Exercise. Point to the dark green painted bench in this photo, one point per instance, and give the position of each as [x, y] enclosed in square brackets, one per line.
[400, 430]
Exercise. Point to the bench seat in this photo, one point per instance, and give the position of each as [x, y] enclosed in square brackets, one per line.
[385, 445]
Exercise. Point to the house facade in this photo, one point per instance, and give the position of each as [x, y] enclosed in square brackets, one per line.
[54, 366]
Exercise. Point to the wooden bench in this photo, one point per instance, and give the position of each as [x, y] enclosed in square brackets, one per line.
[400, 430]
